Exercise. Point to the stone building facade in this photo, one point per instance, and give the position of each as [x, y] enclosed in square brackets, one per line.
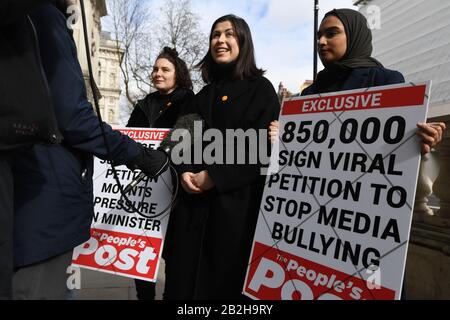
[95, 10]
[412, 36]
[104, 57]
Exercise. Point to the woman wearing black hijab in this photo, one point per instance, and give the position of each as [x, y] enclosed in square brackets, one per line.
[345, 49]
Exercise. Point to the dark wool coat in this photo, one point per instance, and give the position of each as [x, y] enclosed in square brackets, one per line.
[53, 188]
[26, 110]
[20, 68]
[157, 111]
[210, 234]
[364, 78]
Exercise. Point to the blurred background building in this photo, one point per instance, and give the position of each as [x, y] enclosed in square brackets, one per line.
[109, 77]
[106, 58]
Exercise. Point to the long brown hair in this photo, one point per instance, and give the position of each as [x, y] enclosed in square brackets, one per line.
[182, 74]
[245, 65]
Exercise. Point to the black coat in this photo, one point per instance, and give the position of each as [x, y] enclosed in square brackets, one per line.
[365, 78]
[53, 187]
[26, 112]
[210, 235]
[160, 111]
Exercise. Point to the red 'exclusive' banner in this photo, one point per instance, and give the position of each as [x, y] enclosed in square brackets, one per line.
[391, 98]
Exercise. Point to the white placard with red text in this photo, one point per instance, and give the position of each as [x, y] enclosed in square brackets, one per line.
[122, 241]
[335, 218]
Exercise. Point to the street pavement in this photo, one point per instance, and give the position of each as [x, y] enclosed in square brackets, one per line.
[103, 286]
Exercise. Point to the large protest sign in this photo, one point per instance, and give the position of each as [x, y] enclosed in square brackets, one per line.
[335, 218]
[125, 242]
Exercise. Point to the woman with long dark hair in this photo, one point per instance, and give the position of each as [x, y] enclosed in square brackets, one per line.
[213, 225]
[345, 49]
[160, 109]
[173, 84]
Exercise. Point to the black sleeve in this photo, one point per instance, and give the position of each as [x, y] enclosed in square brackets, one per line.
[189, 104]
[394, 77]
[228, 177]
[10, 10]
[76, 119]
[138, 119]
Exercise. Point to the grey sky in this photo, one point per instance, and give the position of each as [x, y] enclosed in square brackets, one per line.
[282, 32]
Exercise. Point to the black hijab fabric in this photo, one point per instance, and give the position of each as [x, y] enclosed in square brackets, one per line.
[358, 54]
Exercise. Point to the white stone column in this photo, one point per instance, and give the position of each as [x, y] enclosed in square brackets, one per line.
[442, 184]
[428, 173]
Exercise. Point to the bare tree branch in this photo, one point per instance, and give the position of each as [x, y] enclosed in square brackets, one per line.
[180, 29]
[135, 30]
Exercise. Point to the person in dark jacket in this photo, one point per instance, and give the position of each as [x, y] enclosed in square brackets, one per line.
[53, 200]
[24, 118]
[173, 84]
[160, 109]
[215, 219]
[345, 49]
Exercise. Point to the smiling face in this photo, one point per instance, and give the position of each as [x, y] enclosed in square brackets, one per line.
[332, 40]
[224, 43]
[163, 76]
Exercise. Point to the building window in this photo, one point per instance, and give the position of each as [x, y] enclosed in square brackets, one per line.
[111, 116]
[112, 80]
